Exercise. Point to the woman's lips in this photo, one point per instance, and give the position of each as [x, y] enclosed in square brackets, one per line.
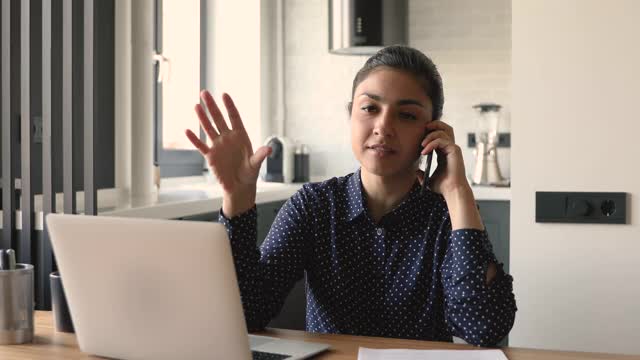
[381, 150]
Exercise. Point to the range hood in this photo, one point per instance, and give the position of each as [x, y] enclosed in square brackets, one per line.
[362, 27]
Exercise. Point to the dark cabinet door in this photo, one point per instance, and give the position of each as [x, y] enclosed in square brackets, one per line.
[266, 215]
[212, 216]
[495, 215]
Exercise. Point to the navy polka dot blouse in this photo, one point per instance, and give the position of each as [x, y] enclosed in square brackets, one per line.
[408, 276]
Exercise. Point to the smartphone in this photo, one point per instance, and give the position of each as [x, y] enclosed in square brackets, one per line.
[425, 181]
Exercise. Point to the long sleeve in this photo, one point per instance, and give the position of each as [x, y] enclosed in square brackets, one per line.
[267, 274]
[480, 314]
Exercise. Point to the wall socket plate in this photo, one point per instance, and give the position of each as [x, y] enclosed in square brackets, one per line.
[581, 207]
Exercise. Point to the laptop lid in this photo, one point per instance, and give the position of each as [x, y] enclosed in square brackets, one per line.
[150, 289]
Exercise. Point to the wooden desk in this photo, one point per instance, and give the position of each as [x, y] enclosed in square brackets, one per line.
[49, 344]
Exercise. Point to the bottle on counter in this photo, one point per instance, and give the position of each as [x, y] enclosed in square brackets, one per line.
[301, 164]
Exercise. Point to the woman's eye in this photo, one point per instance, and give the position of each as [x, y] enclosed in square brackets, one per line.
[408, 116]
[368, 108]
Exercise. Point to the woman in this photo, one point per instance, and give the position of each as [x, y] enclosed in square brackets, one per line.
[380, 258]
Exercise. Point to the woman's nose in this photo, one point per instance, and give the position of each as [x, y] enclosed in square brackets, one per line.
[384, 124]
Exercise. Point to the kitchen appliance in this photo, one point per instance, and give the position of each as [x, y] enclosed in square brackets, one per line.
[362, 27]
[280, 165]
[486, 170]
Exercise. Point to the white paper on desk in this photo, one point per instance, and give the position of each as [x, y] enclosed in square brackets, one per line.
[404, 354]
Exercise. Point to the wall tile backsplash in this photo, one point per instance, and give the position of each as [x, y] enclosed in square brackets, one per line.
[470, 42]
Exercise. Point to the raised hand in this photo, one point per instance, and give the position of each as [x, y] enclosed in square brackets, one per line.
[230, 157]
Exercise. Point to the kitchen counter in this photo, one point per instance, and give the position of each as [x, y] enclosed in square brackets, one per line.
[492, 193]
[196, 195]
[202, 197]
[194, 199]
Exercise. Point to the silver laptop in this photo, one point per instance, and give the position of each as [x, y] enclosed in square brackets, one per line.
[157, 289]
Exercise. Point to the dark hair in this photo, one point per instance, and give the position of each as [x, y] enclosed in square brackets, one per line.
[412, 61]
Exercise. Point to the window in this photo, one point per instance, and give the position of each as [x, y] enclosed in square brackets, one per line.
[190, 35]
[179, 76]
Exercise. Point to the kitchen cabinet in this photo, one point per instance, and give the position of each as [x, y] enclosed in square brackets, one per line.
[211, 216]
[495, 215]
[266, 215]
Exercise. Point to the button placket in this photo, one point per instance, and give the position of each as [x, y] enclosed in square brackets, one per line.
[379, 251]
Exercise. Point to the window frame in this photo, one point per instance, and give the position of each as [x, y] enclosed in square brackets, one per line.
[175, 162]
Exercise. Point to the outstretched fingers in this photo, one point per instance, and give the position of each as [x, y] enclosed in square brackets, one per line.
[215, 112]
[234, 115]
[202, 147]
[205, 123]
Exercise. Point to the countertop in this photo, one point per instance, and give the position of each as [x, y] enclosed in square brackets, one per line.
[201, 197]
[197, 195]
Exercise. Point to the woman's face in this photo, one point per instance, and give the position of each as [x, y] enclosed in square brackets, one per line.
[388, 118]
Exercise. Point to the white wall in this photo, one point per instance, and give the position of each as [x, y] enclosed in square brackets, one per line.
[470, 42]
[576, 82]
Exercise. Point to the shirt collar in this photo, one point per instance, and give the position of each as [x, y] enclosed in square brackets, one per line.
[355, 196]
[356, 201]
[408, 208]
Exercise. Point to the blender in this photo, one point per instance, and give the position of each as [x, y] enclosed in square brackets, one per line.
[487, 171]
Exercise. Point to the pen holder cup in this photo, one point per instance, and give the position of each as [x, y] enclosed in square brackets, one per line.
[16, 305]
[61, 314]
